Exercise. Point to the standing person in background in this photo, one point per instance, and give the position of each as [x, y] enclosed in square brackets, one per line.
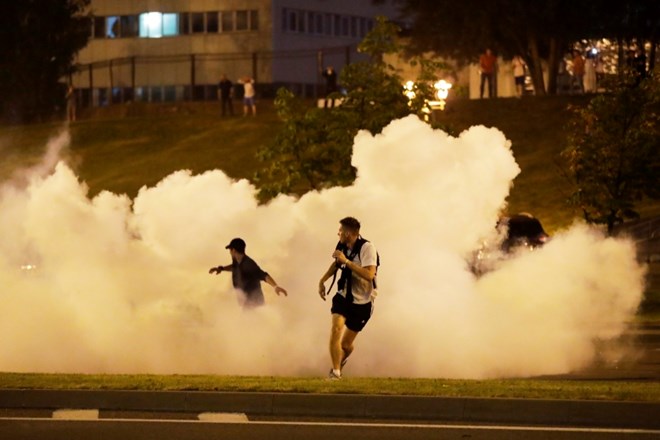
[225, 89]
[578, 71]
[71, 103]
[488, 65]
[248, 96]
[330, 84]
[518, 74]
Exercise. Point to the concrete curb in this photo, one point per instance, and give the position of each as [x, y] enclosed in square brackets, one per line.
[608, 414]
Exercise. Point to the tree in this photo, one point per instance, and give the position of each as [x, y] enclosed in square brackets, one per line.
[313, 149]
[40, 39]
[613, 157]
[541, 32]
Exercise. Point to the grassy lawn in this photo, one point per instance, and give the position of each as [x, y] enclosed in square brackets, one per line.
[510, 388]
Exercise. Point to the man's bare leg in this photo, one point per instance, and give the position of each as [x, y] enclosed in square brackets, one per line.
[347, 345]
[336, 340]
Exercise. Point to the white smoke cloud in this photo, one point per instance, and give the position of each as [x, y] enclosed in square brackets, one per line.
[122, 285]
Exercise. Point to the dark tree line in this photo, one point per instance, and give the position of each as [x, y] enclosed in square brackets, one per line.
[39, 41]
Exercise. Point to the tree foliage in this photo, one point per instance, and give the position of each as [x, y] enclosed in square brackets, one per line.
[613, 158]
[540, 32]
[313, 149]
[39, 40]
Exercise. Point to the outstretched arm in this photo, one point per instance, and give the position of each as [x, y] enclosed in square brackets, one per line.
[219, 269]
[273, 283]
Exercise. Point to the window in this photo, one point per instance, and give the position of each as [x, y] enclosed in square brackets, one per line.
[344, 26]
[151, 25]
[170, 24]
[212, 25]
[337, 26]
[129, 25]
[184, 23]
[112, 27]
[99, 27]
[227, 21]
[354, 26]
[254, 20]
[327, 24]
[318, 18]
[292, 21]
[197, 19]
[241, 20]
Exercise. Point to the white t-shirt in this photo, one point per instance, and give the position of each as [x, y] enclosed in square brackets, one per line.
[363, 290]
[249, 89]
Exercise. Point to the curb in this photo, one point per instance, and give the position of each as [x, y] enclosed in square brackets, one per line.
[577, 413]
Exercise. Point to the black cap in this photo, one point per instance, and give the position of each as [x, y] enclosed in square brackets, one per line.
[237, 244]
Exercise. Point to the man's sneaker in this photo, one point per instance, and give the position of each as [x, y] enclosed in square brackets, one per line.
[341, 367]
[333, 376]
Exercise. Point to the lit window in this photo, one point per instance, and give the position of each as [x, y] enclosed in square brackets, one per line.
[170, 24]
[151, 25]
[112, 27]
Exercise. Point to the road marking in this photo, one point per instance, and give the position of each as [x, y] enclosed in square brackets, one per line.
[76, 414]
[222, 417]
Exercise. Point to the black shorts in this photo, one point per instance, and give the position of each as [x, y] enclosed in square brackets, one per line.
[357, 315]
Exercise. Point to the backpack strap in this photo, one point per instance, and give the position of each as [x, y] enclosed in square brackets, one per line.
[346, 279]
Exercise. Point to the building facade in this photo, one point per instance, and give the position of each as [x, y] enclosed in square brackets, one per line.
[170, 50]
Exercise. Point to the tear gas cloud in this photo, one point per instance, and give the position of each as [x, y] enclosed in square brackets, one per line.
[122, 286]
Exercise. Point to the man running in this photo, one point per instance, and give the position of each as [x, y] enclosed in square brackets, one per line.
[352, 305]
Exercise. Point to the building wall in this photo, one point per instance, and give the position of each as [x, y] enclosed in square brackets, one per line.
[276, 52]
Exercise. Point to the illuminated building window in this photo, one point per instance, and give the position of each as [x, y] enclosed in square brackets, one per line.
[112, 27]
[170, 25]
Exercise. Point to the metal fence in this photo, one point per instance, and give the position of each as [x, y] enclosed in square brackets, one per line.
[194, 77]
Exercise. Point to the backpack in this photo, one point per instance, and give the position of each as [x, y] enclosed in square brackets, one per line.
[345, 279]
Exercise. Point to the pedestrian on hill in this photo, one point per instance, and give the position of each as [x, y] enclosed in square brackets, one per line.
[488, 66]
[249, 94]
[226, 92]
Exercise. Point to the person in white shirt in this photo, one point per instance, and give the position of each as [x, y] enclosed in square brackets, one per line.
[352, 305]
[248, 96]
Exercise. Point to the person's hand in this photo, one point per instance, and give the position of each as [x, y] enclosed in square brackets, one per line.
[339, 257]
[279, 290]
[215, 269]
[322, 291]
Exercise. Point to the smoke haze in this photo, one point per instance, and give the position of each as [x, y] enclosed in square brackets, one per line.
[113, 285]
